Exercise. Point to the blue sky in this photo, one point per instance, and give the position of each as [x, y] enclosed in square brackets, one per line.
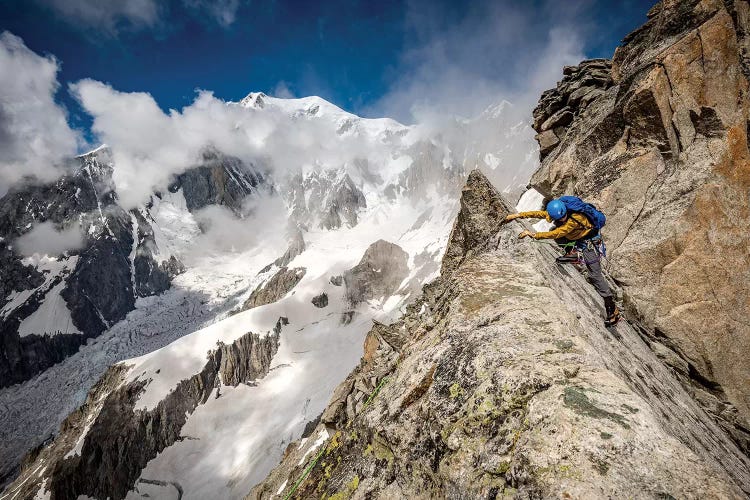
[371, 58]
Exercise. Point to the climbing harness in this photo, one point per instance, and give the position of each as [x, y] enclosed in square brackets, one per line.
[312, 464]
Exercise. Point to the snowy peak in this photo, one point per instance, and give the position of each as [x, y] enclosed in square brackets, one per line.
[254, 100]
[302, 106]
[314, 107]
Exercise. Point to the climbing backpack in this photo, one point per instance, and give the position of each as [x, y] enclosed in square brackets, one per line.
[575, 204]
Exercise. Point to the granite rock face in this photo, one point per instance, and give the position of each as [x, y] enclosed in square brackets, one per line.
[98, 292]
[500, 381]
[479, 217]
[117, 262]
[558, 107]
[219, 180]
[663, 151]
[324, 199]
[379, 273]
[275, 287]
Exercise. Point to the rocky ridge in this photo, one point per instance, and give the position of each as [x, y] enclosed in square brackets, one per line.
[85, 460]
[219, 180]
[662, 149]
[558, 107]
[100, 290]
[278, 285]
[501, 382]
[378, 274]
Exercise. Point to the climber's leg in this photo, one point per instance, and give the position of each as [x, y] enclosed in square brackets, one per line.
[593, 262]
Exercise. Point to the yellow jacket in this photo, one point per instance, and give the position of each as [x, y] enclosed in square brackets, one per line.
[576, 227]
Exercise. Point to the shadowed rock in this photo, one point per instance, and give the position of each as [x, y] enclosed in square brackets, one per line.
[220, 180]
[275, 288]
[379, 273]
[321, 300]
[336, 280]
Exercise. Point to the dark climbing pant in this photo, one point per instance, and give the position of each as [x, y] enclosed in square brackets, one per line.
[592, 259]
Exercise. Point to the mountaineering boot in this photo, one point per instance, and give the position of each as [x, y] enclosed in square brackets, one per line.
[570, 257]
[613, 313]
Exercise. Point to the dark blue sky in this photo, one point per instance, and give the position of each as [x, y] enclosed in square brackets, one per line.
[352, 53]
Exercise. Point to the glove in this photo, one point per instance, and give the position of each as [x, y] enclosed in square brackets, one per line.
[510, 217]
[525, 233]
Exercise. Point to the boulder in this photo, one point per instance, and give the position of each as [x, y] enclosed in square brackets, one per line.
[320, 301]
[379, 273]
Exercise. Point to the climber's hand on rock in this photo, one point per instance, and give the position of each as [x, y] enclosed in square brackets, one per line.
[525, 233]
[510, 217]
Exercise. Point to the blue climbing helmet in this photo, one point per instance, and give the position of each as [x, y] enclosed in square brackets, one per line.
[556, 209]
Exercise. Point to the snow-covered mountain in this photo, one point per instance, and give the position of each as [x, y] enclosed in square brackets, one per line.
[284, 266]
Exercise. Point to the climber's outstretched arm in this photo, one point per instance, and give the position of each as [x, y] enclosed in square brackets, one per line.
[534, 214]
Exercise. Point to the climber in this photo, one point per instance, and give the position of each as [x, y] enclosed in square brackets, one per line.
[577, 226]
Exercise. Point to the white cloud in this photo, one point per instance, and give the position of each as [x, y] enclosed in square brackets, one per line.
[149, 146]
[107, 16]
[45, 239]
[494, 51]
[224, 12]
[282, 91]
[112, 16]
[224, 232]
[34, 133]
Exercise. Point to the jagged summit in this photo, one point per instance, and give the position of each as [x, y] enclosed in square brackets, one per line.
[314, 107]
[254, 100]
[481, 211]
[104, 148]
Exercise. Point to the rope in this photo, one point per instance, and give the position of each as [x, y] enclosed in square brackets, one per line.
[305, 473]
[373, 394]
[312, 464]
[545, 242]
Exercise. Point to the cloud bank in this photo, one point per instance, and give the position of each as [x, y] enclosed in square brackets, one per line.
[458, 62]
[109, 17]
[223, 232]
[34, 133]
[45, 239]
[149, 147]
